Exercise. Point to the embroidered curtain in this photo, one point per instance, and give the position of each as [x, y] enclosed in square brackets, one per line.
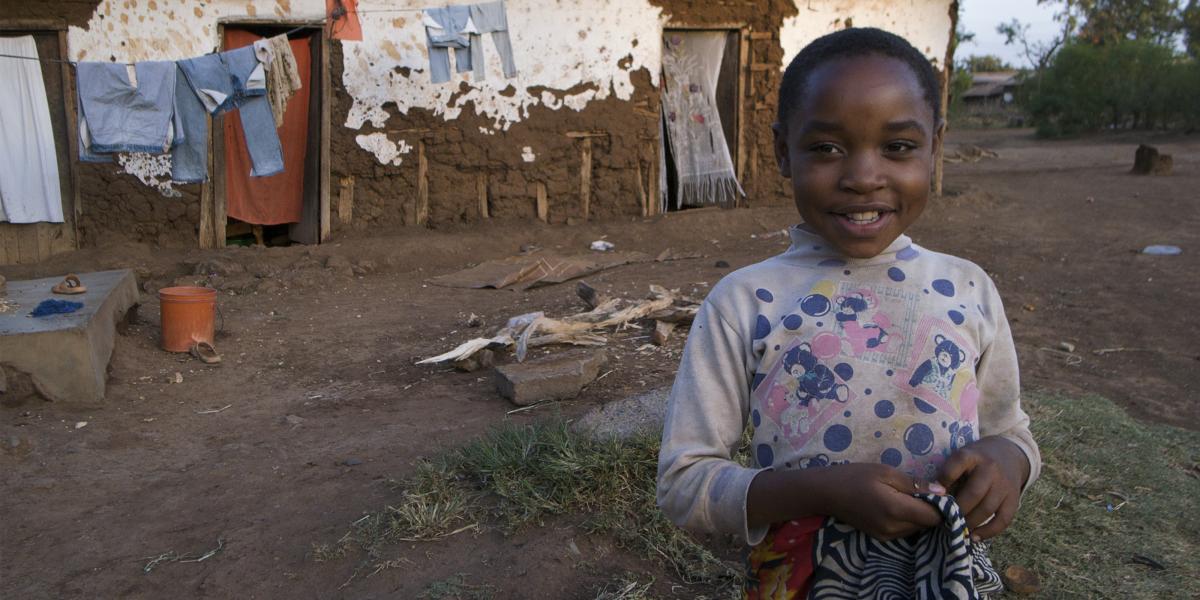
[691, 65]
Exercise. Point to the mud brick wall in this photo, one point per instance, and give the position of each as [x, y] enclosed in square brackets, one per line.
[458, 151]
[582, 70]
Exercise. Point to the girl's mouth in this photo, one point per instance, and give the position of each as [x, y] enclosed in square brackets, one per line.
[863, 218]
[864, 223]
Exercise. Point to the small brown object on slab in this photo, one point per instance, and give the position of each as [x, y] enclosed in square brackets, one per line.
[69, 286]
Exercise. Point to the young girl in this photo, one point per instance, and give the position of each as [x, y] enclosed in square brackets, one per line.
[870, 434]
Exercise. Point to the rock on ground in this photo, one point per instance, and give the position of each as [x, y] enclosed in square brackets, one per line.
[556, 377]
[627, 418]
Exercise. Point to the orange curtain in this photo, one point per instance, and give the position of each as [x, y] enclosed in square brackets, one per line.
[346, 27]
[279, 198]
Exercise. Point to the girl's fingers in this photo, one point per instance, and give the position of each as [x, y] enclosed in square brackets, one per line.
[973, 491]
[958, 465]
[914, 510]
[1004, 517]
[986, 508]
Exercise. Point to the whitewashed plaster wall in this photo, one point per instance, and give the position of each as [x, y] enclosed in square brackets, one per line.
[133, 30]
[924, 23]
[558, 45]
[587, 47]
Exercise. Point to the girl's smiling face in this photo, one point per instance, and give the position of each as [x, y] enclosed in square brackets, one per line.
[859, 150]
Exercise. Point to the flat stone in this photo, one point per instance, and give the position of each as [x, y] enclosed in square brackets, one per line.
[627, 418]
[67, 355]
[556, 377]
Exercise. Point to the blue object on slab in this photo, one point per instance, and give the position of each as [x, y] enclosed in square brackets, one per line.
[56, 307]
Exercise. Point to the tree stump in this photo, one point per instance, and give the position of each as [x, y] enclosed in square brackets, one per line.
[1148, 161]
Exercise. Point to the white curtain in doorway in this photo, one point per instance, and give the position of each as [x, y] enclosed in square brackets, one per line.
[29, 191]
[691, 66]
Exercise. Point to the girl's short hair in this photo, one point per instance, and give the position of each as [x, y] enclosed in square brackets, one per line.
[852, 42]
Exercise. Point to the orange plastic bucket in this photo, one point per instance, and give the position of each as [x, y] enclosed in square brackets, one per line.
[188, 316]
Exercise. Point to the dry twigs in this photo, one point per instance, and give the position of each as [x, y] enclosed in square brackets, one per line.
[170, 557]
[536, 329]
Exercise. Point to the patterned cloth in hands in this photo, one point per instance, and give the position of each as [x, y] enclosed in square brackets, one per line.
[823, 559]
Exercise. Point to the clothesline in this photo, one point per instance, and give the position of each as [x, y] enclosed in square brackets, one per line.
[72, 63]
[76, 63]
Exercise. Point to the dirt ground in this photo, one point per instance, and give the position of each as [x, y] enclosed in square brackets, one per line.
[322, 402]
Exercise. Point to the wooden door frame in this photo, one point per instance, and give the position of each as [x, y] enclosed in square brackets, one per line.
[74, 212]
[213, 207]
[743, 82]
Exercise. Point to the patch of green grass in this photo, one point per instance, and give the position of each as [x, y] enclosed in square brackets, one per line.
[521, 475]
[1095, 456]
[1111, 490]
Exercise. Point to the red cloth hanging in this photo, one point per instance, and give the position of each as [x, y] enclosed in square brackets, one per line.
[278, 198]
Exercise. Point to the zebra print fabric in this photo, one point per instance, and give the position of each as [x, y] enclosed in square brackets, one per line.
[931, 565]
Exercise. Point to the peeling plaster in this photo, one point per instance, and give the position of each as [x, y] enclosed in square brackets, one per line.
[548, 47]
[527, 154]
[386, 151]
[153, 170]
[129, 31]
[924, 23]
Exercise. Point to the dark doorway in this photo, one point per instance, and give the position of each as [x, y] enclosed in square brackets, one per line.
[283, 208]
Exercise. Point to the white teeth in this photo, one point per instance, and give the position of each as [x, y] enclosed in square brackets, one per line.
[863, 218]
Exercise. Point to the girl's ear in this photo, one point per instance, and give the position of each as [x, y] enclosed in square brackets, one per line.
[781, 150]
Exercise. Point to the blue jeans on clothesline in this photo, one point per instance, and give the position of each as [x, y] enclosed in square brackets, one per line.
[490, 17]
[220, 83]
[452, 19]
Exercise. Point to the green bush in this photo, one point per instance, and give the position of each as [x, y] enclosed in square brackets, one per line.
[1124, 85]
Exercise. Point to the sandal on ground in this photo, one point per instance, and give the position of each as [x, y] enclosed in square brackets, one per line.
[69, 285]
[206, 353]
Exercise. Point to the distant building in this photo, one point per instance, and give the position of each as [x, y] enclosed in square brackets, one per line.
[992, 89]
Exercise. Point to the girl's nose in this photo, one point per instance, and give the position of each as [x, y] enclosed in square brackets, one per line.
[862, 174]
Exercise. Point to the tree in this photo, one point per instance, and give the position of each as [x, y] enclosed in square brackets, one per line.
[1109, 21]
[1038, 54]
[1190, 21]
[982, 64]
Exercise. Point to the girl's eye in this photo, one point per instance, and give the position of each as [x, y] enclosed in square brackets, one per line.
[899, 147]
[824, 148]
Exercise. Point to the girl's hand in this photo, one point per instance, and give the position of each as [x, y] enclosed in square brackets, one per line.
[878, 500]
[986, 478]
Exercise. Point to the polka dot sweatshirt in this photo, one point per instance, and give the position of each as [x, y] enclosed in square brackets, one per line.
[898, 359]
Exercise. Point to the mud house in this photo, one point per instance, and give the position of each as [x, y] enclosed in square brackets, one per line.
[579, 131]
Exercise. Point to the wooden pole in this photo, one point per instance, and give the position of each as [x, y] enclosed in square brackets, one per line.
[326, 168]
[543, 204]
[481, 188]
[422, 185]
[585, 178]
[345, 207]
[652, 182]
[641, 187]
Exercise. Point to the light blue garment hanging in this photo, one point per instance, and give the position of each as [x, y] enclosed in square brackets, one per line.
[222, 82]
